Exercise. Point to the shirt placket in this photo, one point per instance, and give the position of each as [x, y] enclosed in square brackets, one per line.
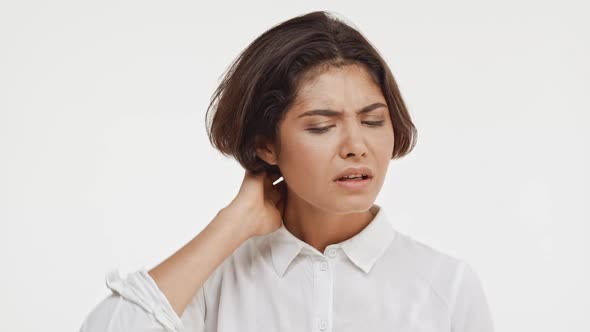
[323, 290]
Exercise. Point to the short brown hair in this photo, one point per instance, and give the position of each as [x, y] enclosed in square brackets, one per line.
[261, 84]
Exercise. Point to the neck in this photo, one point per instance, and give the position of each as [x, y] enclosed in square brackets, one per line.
[320, 228]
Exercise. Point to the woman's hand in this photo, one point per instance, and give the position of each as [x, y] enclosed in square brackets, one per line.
[261, 203]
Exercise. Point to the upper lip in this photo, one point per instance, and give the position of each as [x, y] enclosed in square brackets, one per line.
[353, 171]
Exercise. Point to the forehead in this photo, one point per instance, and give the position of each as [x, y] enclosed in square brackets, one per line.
[351, 83]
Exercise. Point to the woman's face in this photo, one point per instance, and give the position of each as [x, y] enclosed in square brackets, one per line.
[316, 148]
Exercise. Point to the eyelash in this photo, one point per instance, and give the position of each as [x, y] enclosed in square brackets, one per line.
[325, 129]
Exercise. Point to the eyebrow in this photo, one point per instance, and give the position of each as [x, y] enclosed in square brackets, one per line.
[327, 112]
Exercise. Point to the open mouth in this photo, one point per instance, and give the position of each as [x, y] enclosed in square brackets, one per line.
[355, 178]
[354, 183]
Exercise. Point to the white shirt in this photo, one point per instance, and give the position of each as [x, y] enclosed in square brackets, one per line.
[378, 280]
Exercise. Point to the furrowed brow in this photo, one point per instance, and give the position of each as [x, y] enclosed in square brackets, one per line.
[327, 112]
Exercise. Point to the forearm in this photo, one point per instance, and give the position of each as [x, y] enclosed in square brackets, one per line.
[181, 275]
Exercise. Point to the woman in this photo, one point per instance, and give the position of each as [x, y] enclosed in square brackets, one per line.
[312, 102]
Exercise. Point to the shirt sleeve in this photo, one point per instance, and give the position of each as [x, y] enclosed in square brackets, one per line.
[137, 304]
[470, 311]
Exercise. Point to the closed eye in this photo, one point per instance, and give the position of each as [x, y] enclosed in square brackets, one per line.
[321, 130]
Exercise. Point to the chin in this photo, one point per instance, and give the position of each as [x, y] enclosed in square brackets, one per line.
[353, 204]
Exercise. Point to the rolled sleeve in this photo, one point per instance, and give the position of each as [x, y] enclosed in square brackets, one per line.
[138, 304]
[117, 314]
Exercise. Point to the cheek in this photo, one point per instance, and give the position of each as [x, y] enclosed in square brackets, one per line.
[304, 162]
[385, 144]
[382, 148]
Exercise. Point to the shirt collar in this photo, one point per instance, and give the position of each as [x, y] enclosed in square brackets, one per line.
[363, 249]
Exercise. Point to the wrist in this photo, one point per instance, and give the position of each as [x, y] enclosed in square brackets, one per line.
[239, 219]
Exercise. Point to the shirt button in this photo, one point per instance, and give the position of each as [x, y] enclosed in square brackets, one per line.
[323, 266]
[332, 252]
[323, 325]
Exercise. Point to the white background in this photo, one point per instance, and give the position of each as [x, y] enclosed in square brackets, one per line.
[105, 162]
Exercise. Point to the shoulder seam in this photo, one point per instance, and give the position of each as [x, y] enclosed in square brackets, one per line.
[457, 283]
[434, 290]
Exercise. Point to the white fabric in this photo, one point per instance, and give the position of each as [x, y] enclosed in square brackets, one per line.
[378, 280]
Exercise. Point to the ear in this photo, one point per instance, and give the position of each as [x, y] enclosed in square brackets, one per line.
[265, 150]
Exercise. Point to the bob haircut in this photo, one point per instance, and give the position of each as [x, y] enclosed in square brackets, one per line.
[262, 84]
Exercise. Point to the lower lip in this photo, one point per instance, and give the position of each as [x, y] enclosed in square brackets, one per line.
[354, 184]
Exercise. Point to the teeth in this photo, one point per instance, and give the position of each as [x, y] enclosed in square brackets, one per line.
[352, 176]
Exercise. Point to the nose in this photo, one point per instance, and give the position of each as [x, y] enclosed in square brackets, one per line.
[353, 142]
